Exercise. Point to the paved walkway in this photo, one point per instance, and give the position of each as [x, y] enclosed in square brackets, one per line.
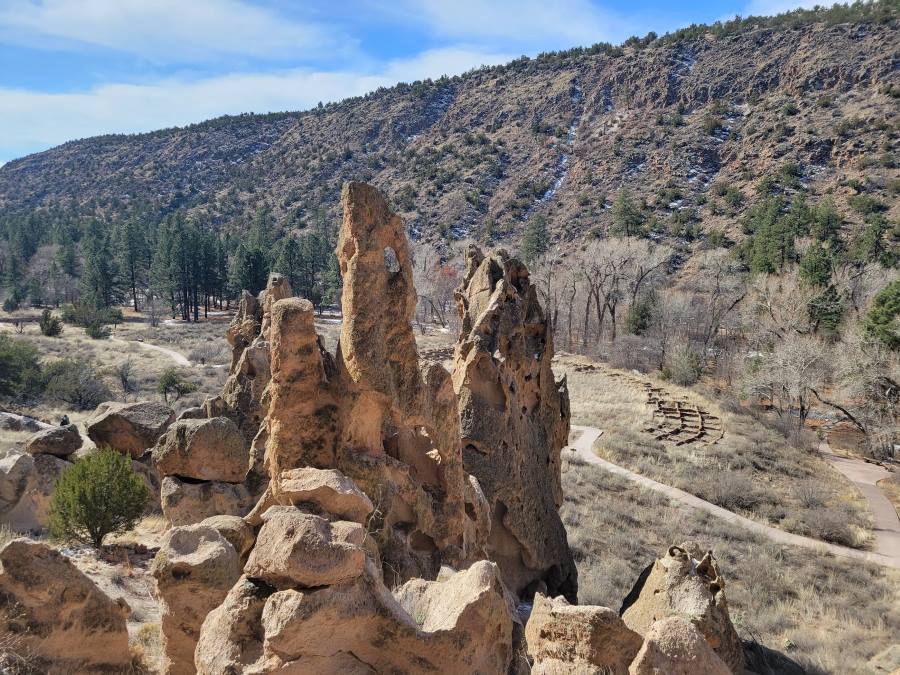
[865, 475]
[582, 443]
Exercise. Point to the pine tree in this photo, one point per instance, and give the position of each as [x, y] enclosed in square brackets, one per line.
[535, 240]
[100, 279]
[626, 215]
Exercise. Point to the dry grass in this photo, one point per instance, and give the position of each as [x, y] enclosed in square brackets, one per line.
[754, 470]
[828, 614]
[891, 488]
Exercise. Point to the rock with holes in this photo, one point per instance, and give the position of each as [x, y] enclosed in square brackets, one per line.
[185, 502]
[59, 441]
[686, 582]
[130, 428]
[194, 569]
[564, 638]
[514, 419]
[56, 616]
[298, 549]
[674, 646]
[203, 449]
[328, 490]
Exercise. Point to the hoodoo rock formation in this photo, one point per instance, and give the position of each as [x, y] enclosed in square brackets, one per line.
[514, 419]
[365, 512]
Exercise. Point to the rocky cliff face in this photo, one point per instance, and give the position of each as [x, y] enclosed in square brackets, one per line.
[556, 136]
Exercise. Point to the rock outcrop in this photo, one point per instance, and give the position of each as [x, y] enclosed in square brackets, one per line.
[203, 449]
[674, 646]
[26, 488]
[55, 616]
[59, 441]
[194, 569]
[514, 420]
[686, 583]
[564, 638]
[185, 502]
[130, 428]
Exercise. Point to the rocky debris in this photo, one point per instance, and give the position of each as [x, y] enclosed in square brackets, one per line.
[203, 449]
[60, 441]
[185, 502]
[327, 489]
[685, 582]
[195, 568]
[513, 414]
[235, 530]
[461, 625]
[298, 549]
[564, 638]
[33, 478]
[195, 413]
[130, 428]
[54, 613]
[674, 646]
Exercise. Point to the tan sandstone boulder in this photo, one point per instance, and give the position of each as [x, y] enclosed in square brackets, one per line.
[60, 441]
[327, 489]
[15, 468]
[686, 582]
[203, 449]
[515, 415]
[674, 646]
[188, 502]
[235, 530]
[31, 511]
[55, 613]
[564, 638]
[194, 570]
[297, 549]
[130, 428]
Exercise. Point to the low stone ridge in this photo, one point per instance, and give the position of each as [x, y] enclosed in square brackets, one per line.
[59, 441]
[515, 415]
[564, 638]
[130, 428]
[686, 582]
[674, 646]
[203, 449]
[54, 614]
[194, 569]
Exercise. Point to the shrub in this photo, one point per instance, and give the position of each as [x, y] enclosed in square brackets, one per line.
[20, 369]
[50, 325]
[75, 382]
[97, 330]
[99, 495]
[10, 304]
[883, 320]
[685, 366]
[172, 383]
[639, 316]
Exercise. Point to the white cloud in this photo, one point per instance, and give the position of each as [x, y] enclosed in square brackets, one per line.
[772, 7]
[164, 30]
[566, 22]
[39, 119]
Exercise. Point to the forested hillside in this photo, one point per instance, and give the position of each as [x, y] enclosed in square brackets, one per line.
[719, 200]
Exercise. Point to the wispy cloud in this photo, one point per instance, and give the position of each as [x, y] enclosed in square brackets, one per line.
[770, 7]
[566, 22]
[165, 30]
[35, 120]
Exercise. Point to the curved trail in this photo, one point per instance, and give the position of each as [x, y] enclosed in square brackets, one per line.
[178, 358]
[582, 443]
[865, 476]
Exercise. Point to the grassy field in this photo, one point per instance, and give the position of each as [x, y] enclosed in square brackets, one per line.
[753, 469]
[828, 614]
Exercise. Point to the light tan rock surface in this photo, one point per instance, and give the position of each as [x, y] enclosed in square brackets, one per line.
[187, 502]
[130, 428]
[674, 646]
[53, 612]
[686, 582]
[297, 549]
[515, 415]
[32, 509]
[203, 449]
[194, 569]
[327, 489]
[564, 638]
[235, 530]
[60, 441]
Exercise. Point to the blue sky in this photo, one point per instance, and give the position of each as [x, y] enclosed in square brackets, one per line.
[76, 68]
